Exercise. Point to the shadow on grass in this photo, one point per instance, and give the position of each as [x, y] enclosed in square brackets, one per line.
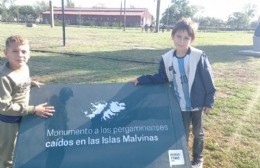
[115, 66]
[220, 53]
[225, 53]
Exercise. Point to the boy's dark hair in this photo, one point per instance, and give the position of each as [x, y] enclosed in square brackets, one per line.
[15, 39]
[185, 24]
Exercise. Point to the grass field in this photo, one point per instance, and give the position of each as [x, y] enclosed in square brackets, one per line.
[94, 55]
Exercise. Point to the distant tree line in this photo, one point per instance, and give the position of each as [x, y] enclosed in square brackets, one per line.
[10, 12]
[13, 13]
[237, 20]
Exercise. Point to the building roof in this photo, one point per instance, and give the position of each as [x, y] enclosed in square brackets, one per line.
[101, 11]
[96, 13]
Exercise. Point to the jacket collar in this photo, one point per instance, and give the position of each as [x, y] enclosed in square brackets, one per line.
[187, 53]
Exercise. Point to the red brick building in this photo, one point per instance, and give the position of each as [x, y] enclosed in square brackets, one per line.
[101, 16]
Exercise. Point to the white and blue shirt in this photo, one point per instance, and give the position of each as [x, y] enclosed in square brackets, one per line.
[180, 80]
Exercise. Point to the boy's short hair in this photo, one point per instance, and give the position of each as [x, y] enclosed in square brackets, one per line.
[185, 24]
[16, 39]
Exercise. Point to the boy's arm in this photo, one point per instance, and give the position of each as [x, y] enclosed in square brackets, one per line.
[159, 77]
[7, 107]
[207, 78]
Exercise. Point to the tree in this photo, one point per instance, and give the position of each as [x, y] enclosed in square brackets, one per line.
[198, 11]
[241, 20]
[13, 13]
[211, 22]
[40, 6]
[70, 4]
[250, 10]
[3, 3]
[27, 13]
[11, 2]
[3, 9]
[238, 20]
[178, 9]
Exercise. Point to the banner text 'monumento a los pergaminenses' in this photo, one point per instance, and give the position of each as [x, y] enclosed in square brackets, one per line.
[104, 125]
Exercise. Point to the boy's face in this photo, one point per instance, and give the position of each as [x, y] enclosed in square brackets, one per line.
[182, 40]
[17, 55]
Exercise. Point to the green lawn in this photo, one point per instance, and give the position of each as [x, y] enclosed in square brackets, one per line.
[95, 55]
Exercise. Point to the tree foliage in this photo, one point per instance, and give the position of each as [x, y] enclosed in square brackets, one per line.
[181, 8]
[40, 6]
[70, 4]
[3, 3]
[177, 10]
[238, 20]
[210, 22]
[11, 2]
[13, 12]
[250, 10]
[27, 10]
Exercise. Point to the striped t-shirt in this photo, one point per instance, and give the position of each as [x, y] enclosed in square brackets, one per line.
[180, 81]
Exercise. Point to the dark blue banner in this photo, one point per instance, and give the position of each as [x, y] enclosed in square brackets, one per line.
[104, 126]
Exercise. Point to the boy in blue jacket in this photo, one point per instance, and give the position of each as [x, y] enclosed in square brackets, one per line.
[190, 72]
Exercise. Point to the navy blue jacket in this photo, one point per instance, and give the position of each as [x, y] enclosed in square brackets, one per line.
[202, 89]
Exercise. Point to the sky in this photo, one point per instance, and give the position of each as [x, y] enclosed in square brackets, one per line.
[220, 9]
